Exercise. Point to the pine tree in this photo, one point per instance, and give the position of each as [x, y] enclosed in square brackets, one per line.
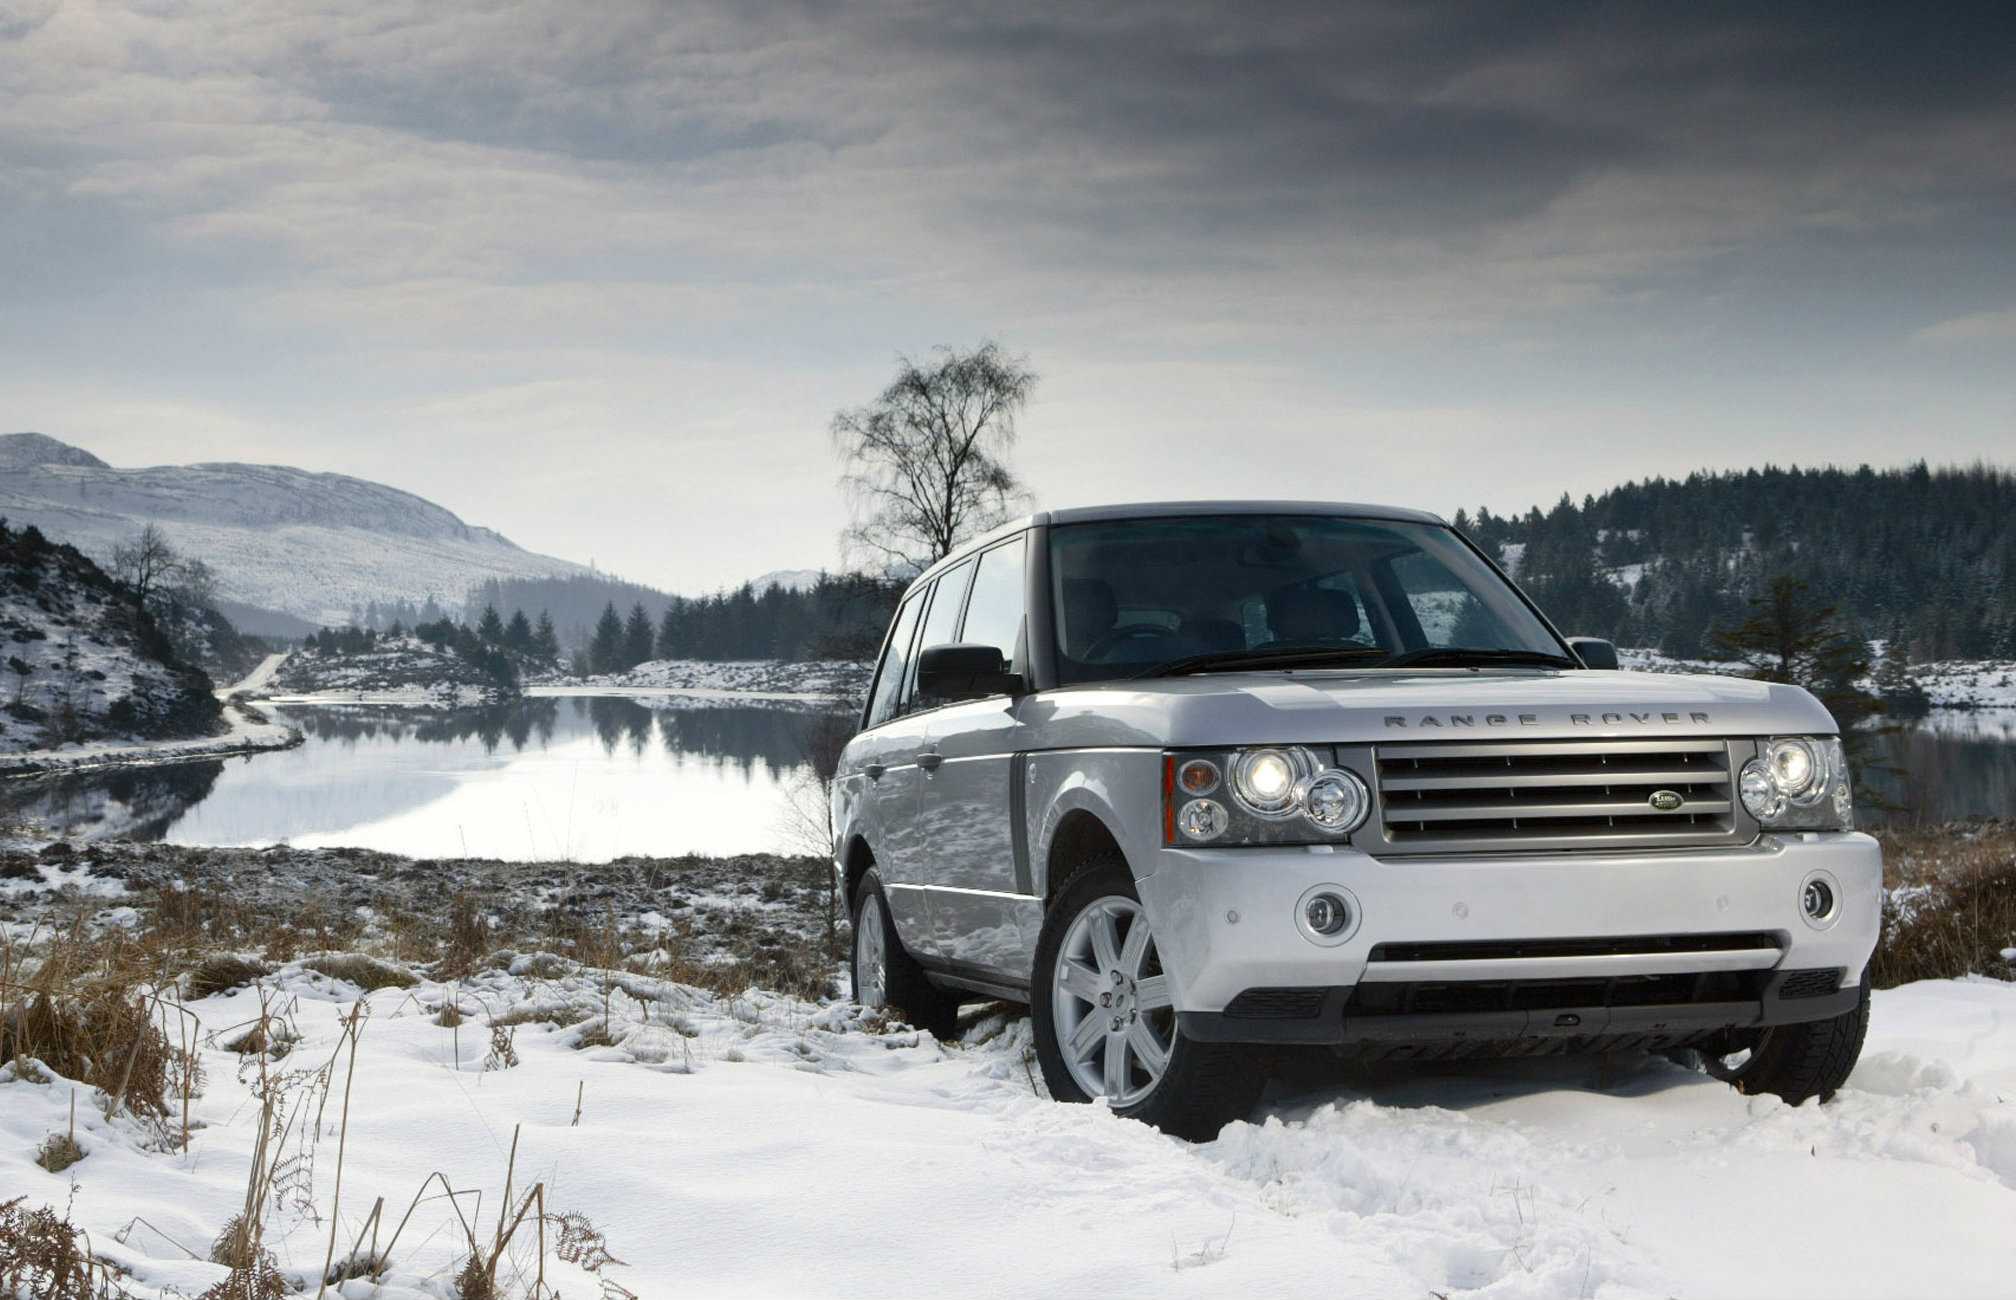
[490, 627]
[605, 651]
[518, 633]
[545, 643]
[637, 637]
[1792, 637]
[1904, 698]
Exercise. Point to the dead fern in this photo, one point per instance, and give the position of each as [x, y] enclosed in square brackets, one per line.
[503, 1051]
[259, 1280]
[44, 1255]
[581, 1242]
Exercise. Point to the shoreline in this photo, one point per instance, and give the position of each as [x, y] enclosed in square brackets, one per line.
[251, 733]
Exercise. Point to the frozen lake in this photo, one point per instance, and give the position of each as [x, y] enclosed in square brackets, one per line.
[589, 778]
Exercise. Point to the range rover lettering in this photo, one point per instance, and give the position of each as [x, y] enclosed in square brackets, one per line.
[1196, 779]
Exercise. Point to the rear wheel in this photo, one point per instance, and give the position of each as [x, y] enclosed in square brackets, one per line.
[1795, 1062]
[886, 975]
[1106, 1025]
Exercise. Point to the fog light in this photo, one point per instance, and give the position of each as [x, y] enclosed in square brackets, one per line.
[1327, 914]
[1203, 819]
[1818, 899]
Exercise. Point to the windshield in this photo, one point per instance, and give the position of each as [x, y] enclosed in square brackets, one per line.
[1196, 593]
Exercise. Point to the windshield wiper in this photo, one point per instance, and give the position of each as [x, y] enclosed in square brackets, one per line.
[1307, 655]
[1450, 656]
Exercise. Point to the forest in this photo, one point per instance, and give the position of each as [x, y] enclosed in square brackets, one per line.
[1919, 555]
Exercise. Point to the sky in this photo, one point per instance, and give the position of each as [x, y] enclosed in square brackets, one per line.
[600, 275]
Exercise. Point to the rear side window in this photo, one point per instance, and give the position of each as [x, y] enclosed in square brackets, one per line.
[994, 614]
[895, 664]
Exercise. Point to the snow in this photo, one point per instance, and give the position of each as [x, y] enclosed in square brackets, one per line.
[1957, 684]
[247, 732]
[760, 1145]
[311, 545]
[750, 678]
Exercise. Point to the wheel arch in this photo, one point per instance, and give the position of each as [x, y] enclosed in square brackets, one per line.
[853, 865]
[1082, 840]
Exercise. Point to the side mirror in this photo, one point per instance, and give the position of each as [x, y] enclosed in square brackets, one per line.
[1595, 652]
[964, 672]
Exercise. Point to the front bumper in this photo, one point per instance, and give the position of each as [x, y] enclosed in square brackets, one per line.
[1658, 945]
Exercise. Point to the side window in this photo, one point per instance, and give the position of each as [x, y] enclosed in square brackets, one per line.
[994, 614]
[895, 663]
[942, 623]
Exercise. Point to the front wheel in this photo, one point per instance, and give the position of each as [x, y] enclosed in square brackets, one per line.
[1106, 1024]
[1796, 1062]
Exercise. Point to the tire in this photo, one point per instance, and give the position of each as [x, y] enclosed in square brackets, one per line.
[1100, 1006]
[886, 975]
[1798, 1062]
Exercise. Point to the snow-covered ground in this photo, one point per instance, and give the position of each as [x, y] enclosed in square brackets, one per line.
[249, 731]
[760, 1145]
[832, 678]
[1953, 684]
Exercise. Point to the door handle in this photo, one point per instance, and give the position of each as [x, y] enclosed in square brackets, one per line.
[873, 771]
[929, 760]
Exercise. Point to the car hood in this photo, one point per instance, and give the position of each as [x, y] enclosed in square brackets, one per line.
[1426, 705]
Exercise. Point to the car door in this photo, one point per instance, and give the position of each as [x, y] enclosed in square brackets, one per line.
[970, 797]
[889, 777]
[907, 766]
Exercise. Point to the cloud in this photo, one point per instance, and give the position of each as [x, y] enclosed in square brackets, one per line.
[357, 224]
[1975, 327]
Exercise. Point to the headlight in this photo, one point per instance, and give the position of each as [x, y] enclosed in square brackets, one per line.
[1276, 794]
[1799, 783]
[1264, 780]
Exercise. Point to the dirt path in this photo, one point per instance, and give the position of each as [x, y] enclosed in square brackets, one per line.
[256, 680]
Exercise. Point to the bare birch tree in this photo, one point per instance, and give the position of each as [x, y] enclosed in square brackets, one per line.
[926, 462]
[144, 562]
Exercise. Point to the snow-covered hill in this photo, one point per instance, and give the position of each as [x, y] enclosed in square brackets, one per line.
[306, 544]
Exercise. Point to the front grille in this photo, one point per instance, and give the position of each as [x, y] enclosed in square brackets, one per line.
[1811, 983]
[1541, 795]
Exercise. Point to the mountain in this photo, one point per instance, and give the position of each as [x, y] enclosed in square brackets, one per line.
[789, 579]
[306, 545]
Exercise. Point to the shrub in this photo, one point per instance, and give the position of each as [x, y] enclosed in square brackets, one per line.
[1950, 909]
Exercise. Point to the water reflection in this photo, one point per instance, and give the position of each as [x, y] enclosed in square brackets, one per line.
[125, 803]
[581, 778]
[1954, 766]
[521, 723]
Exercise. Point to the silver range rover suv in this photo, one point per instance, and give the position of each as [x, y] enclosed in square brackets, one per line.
[1197, 778]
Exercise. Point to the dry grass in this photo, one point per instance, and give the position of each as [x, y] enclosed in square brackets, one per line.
[87, 1005]
[367, 973]
[1951, 909]
[222, 972]
[58, 1152]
